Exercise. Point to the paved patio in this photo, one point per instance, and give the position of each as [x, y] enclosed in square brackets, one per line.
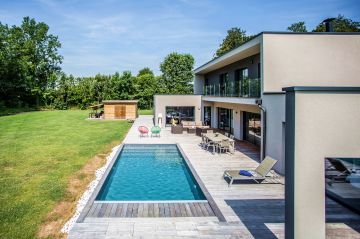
[250, 210]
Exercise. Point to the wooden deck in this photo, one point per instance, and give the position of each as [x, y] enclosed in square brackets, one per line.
[140, 209]
[237, 203]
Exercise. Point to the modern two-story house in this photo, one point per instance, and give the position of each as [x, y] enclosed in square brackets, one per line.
[241, 92]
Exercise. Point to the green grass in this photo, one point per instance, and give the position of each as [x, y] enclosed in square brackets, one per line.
[39, 151]
[12, 111]
[146, 112]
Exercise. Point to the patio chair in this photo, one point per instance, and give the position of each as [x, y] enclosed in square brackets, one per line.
[155, 131]
[258, 175]
[203, 141]
[232, 136]
[143, 130]
[210, 131]
[226, 134]
[224, 145]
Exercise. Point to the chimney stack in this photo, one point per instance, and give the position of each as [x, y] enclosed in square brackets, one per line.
[329, 24]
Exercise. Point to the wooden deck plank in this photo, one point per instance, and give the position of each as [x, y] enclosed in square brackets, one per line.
[192, 209]
[188, 211]
[156, 210]
[92, 210]
[141, 210]
[210, 211]
[103, 209]
[198, 210]
[113, 210]
[119, 210]
[182, 210]
[203, 209]
[151, 210]
[145, 210]
[135, 210]
[172, 209]
[108, 209]
[167, 209]
[129, 210]
[161, 210]
[124, 210]
[177, 210]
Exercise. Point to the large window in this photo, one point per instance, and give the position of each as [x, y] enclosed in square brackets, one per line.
[178, 113]
[207, 115]
[225, 120]
[247, 87]
[252, 128]
[224, 83]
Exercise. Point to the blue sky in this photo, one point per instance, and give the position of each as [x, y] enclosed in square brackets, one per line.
[106, 36]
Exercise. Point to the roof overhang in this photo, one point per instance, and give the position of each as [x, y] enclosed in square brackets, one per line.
[249, 48]
[119, 101]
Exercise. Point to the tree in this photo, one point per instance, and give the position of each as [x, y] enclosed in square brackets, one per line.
[297, 27]
[235, 37]
[178, 73]
[29, 57]
[340, 24]
[145, 71]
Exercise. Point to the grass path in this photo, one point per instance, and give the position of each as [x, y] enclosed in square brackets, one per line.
[39, 152]
[146, 112]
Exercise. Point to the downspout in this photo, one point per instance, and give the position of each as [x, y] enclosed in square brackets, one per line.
[259, 104]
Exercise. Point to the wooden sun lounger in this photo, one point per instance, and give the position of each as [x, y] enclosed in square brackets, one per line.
[259, 174]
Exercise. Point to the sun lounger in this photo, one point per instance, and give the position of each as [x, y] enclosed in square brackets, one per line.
[337, 171]
[258, 175]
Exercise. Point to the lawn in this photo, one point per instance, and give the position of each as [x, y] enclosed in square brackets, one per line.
[40, 152]
[146, 112]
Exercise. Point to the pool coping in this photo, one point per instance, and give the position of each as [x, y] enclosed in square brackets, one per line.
[101, 182]
[207, 195]
[91, 200]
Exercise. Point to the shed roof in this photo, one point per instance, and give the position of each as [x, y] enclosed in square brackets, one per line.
[119, 101]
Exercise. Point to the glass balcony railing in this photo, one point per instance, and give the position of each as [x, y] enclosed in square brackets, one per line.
[247, 88]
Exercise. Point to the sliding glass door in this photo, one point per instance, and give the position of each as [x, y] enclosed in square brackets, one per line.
[178, 113]
[252, 128]
[225, 119]
[207, 115]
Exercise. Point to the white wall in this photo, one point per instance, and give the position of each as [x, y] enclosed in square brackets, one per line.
[161, 101]
[310, 60]
[275, 116]
[326, 125]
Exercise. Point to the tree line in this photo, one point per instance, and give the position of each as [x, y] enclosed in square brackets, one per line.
[30, 74]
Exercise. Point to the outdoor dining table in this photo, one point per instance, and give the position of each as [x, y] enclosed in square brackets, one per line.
[217, 138]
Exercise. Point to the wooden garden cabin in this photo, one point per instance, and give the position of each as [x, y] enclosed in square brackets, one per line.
[120, 109]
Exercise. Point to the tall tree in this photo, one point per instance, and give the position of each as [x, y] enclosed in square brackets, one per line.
[145, 71]
[297, 27]
[178, 73]
[340, 24]
[31, 58]
[235, 37]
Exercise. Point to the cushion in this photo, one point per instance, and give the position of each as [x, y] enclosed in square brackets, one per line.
[245, 173]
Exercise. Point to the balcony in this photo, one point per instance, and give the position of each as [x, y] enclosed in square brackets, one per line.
[247, 88]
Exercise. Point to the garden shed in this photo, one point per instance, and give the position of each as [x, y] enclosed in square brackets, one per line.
[120, 109]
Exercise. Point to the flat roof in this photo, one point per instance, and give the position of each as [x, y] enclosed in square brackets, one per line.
[119, 101]
[253, 42]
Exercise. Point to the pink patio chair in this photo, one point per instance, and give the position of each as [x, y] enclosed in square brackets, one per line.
[144, 131]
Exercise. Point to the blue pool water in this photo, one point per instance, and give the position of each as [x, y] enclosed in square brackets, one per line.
[150, 172]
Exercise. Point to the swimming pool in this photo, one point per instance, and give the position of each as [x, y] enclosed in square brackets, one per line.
[150, 173]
